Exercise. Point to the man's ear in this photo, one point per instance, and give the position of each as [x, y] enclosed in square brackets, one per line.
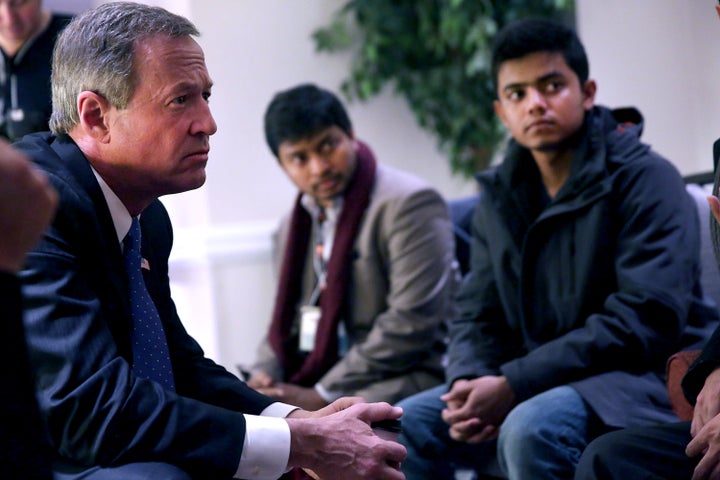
[589, 89]
[497, 106]
[94, 111]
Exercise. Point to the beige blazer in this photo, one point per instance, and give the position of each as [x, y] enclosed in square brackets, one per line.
[400, 295]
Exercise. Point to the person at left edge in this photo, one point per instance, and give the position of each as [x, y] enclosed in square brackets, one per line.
[27, 36]
[25, 453]
[131, 122]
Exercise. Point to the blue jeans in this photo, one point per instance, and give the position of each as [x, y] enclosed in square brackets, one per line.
[542, 437]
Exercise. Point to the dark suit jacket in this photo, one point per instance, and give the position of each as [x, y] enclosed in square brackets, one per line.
[78, 326]
[24, 450]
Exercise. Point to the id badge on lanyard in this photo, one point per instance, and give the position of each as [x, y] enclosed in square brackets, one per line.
[309, 320]
[310, 313]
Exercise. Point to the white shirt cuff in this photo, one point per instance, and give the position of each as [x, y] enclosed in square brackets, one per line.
[266, 448]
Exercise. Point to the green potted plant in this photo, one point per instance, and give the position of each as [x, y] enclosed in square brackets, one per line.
[436, 54]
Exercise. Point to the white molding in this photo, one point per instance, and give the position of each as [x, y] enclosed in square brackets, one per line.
[197, 257]
[236, 242]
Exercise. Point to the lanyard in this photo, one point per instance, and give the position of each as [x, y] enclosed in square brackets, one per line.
[311, 313]
[319, 263]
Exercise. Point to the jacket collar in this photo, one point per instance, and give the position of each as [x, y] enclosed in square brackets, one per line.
[604, 144]
[607, 139]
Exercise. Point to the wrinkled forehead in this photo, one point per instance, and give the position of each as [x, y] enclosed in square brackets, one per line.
[161, 53]
[168, 66]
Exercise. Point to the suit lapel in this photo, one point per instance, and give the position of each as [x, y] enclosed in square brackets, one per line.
[108, 266]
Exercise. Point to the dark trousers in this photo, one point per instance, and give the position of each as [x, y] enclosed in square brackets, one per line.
[131, 471]
[641, 453]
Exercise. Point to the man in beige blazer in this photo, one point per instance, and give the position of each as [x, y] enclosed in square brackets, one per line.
[366, 266]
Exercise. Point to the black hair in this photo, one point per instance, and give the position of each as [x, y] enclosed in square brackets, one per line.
[301, 112]
[533, 35]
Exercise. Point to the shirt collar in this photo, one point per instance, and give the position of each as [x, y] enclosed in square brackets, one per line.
[332, 212]
[120, 216]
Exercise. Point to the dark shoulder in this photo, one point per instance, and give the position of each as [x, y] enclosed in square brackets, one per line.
[56, 156]
[156, 225]
[46, 40]
[58, 22]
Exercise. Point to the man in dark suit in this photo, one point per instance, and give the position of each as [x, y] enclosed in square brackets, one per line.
[24, 450]
[130, 123]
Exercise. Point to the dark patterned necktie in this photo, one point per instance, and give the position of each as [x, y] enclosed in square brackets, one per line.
[151, 356]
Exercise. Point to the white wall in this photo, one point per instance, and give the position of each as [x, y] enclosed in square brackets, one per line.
[67, 6]
[658, 55]
[661, 56]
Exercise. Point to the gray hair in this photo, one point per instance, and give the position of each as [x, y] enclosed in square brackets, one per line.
[95, 52]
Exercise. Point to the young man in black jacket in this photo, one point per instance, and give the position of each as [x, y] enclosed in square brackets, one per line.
[584, 277]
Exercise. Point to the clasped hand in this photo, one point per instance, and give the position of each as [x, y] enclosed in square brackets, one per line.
[705, 430]
[476, 408]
